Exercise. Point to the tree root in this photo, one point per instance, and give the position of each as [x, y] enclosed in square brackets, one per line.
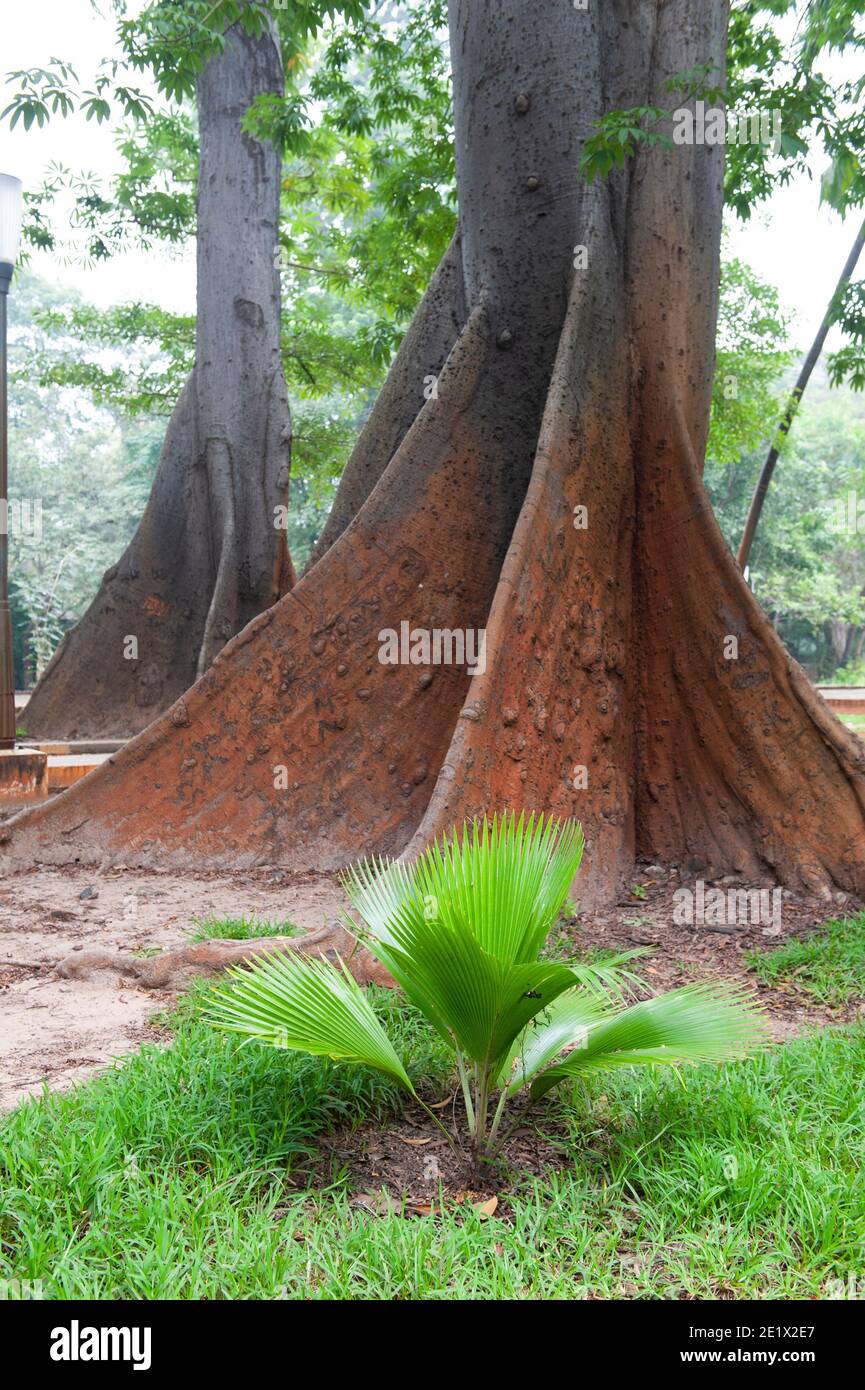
[172, 970]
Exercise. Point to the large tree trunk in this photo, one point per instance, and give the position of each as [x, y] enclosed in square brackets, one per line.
[631, 678]
[207, 556]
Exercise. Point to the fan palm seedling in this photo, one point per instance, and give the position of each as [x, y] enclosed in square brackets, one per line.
[462, 931]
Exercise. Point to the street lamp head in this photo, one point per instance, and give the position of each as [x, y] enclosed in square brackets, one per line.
[11, 202]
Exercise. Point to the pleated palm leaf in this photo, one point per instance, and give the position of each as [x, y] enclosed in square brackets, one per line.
[461, 931]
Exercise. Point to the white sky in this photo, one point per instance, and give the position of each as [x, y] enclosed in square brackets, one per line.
[81, 34]
[793, 242]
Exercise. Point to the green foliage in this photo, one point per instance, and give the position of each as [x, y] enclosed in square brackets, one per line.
[750, 357]
[829, 964]
[851, 674]
[618, 134]
[308, 1006]
[805, 568]
[368, 208]
[53, 91]
[238, 929]
[461, 930]
[816, 111]
[79, 478]
[139, 355]
[848, 362]
[697, 1023]
[170, 41]
[155, 191]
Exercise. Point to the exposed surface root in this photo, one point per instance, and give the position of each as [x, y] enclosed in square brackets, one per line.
[172, 970]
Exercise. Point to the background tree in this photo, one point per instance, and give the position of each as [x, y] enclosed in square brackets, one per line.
[365, 221]
[794, 400]
[368, 208]
[808, 559]
[207, 555]
[815, 111]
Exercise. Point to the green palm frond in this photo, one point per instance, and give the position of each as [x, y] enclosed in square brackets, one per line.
[609, 976]
[561, 1024]
[476, 1000]
[505, 881]
[698, 1023]
[307, 1006]
[377, 888]
[461, 930]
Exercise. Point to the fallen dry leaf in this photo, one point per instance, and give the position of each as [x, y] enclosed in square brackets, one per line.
[379, 1203]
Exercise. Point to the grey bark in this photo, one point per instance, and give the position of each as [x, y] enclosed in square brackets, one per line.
[511, 258]
[207, 556]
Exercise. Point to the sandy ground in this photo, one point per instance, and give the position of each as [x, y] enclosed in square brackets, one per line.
[59, 1031]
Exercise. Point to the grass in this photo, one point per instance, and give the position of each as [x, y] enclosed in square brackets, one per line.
[854, 721]
[829, 964]
[238, 929]
[183, 1174]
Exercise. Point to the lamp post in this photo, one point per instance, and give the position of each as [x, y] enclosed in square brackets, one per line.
[10, 231]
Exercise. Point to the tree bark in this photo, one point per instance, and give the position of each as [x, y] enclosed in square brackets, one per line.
[207, 556]
[631, 679]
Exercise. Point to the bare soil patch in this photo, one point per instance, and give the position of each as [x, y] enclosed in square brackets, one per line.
[58, 1031]
[409, 1167]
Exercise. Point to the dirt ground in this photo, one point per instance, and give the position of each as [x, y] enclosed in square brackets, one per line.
[60, 1031]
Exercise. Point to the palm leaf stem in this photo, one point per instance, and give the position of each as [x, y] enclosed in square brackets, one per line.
[467, 1094]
